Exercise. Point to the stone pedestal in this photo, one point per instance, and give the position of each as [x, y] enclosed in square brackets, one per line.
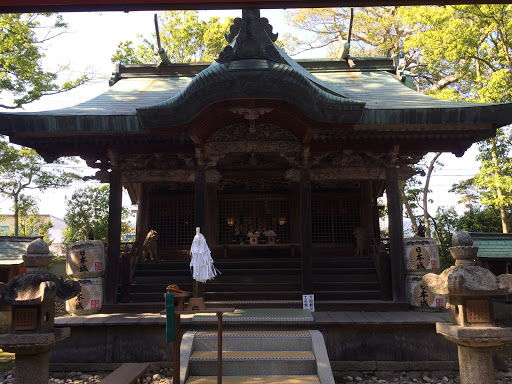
[32, 353]
[476, 365]
[475, 349]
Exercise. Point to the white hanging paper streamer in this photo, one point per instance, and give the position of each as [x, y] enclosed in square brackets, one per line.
[201, 263]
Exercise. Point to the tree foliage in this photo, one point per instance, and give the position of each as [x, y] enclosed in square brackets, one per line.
[477, 218]
[457, 52]
[183, 36]
[492, 185]
[453, 52]
[88, 209]
[22, 76]
[376, 31]
[22, 168]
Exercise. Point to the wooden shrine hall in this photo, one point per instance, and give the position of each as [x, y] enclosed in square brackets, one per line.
[280, 162]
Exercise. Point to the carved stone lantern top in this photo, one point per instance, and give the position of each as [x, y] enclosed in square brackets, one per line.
[469, 287]
[38, 256]
[33, 294]
[465, 278]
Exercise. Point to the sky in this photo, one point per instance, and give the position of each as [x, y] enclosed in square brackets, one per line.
[93, 38]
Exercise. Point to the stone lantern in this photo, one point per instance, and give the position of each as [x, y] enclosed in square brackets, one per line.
[32, 299]
[469, 289]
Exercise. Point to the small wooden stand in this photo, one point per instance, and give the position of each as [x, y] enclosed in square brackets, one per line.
[177, 342]
[179, 300]
[196, 304]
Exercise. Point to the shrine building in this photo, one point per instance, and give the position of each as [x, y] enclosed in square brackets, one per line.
[280, 162]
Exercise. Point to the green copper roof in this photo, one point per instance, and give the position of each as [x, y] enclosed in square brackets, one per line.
[493, 245]
[13, 248]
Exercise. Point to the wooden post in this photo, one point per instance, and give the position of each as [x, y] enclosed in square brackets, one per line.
[395, 236]
[212, 214]
[366, 206]
[176, 349]
[114, 238]
[200, 216]
[200, 201]
[306, 232]
[143, 208]
[219, 347]
[375, 201]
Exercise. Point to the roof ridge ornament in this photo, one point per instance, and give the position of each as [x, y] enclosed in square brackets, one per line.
[250, 37]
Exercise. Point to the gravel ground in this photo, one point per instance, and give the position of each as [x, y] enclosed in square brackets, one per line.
[164, 377]
[355, 377]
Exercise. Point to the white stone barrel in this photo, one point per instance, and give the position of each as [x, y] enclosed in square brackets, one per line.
[85, 259]
[419, 296]
[420, 254]
[90, 298]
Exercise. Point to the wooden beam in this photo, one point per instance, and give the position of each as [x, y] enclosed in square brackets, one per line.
[34, 6]
[395, 236]
[114, 238]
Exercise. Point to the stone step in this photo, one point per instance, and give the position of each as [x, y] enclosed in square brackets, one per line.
[219, 296]
[304, 379]
[255, 341]
[238, 363]
[216, 286]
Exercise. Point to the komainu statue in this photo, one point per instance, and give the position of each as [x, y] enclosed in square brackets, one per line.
[149, 246]
[363, 242]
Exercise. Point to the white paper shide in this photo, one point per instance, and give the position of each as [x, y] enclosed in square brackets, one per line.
[201, 263]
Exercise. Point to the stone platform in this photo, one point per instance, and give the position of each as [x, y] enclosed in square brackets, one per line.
[404, 340]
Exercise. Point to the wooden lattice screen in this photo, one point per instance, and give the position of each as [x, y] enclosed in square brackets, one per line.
[241, 214]
[173, 218]
[334, 218]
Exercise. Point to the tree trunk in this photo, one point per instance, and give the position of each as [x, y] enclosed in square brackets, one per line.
[408, 207]
[16, 209]
[426, 216]
[499, 192]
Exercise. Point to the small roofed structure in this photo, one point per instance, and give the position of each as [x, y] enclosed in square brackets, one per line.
[257, 142]
[12, 249]
[494, 251]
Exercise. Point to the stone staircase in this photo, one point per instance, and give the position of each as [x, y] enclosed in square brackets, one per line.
[263, 282]
[256, 357]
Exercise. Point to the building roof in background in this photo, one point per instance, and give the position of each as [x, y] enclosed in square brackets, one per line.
[12, 249]
[493, 245]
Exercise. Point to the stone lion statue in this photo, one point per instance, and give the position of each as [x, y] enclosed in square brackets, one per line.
[149, 246]
[363, 241]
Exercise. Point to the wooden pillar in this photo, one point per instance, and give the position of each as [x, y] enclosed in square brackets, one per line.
[212, 214]
[115, 202]
[200, 201]
[200, 216]
[143, 208]
[376, 212]
[294, 212]
[306, 232]
[366, 210]
[395, 236]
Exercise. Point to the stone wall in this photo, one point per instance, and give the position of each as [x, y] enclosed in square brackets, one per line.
[370, 343]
